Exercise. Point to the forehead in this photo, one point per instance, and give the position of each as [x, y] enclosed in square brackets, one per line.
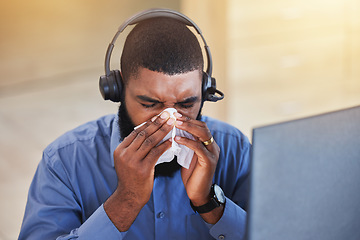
[165, 87]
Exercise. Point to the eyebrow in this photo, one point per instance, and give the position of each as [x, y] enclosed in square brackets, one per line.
[147, 99]
[189, 100]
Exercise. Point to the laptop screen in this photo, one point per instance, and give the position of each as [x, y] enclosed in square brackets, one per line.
[305, 179]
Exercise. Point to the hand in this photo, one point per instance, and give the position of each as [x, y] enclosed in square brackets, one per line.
[198, 178]
[136, 156]
[135, 160]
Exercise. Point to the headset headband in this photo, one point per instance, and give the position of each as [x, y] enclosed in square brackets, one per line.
[152, 13]
[110, 84]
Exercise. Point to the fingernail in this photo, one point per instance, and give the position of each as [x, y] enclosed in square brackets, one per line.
[177, 115]
[178, 123]
[153, 119]
[177, 138]
[170, 121]
[164, 115]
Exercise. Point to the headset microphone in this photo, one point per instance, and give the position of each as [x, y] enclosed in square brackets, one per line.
[111, 85]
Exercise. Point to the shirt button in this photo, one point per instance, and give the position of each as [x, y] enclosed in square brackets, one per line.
[161, 215]
[221, 237]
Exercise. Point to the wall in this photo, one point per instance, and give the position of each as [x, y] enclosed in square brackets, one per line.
[41, 39]
[291, 59]
[211, 17]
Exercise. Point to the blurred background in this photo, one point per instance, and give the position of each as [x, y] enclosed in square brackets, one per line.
[275, 61]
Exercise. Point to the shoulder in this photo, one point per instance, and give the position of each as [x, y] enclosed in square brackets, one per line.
[79, 161]
[90, 132]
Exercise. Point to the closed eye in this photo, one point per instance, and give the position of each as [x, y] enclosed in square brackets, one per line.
[147, 102]
[148, 105]
[188, 103]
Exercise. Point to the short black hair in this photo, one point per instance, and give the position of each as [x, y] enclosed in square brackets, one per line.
[163, 45]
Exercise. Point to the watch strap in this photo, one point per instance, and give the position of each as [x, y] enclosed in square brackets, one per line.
[207, 207]
[215, 201]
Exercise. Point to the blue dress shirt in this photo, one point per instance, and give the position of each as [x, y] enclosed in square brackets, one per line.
[76, 175]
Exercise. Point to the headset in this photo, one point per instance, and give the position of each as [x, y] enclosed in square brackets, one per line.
[111, 85]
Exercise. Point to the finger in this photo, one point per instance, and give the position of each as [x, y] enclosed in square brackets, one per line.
[143, 131]
[205, 156]
[151, 141]
[194, 145]
[157, 122]
[187, 119]
[197, 128]
[128, 139]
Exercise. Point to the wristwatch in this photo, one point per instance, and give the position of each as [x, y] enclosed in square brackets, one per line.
[217, 198]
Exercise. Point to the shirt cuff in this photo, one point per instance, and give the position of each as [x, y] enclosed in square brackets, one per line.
[99, 226]
[232, 223]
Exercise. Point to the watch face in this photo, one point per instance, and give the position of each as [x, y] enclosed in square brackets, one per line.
[219, 194]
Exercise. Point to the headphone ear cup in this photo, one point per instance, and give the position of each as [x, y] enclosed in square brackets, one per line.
[111, 86]
[205, 83]
[209, 91]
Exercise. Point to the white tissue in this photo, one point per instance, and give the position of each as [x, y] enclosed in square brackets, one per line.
[183, 153]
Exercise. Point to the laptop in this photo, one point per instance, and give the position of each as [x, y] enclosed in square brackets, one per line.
[305, 179]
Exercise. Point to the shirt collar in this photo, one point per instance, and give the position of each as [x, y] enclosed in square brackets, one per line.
[115, 138]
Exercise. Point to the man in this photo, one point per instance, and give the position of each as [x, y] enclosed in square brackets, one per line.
[101, 181]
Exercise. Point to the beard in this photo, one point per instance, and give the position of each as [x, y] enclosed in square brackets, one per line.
[126, 126]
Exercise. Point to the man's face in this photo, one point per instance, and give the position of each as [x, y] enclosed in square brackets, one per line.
[149, 93]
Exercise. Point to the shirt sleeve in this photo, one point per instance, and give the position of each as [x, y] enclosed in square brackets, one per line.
[232, 223]
[54, 212]
[97, 226]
